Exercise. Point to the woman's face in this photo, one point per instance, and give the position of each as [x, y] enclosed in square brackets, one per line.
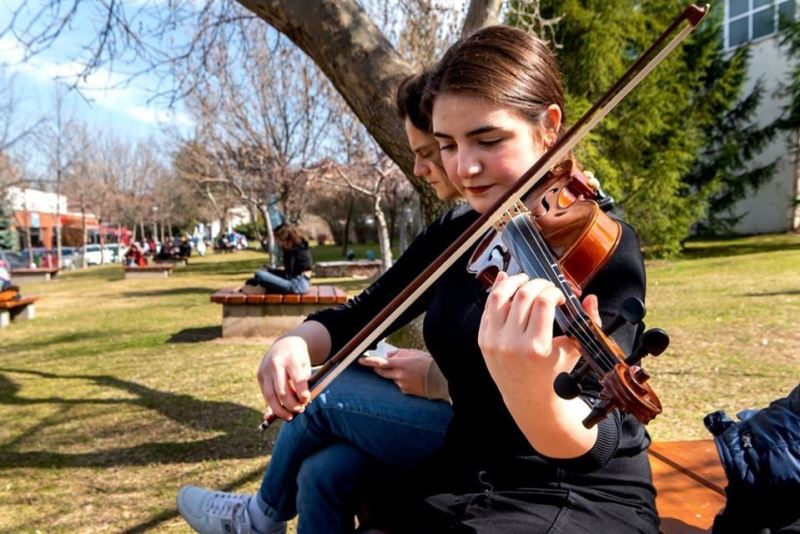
[426, 162]
[484, 146]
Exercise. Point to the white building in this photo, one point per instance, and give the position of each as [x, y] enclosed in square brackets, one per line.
[755, 23]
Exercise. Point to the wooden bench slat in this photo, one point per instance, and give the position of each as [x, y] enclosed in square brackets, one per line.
[236, 298]
[273, 298]
[24, 301]
[689, 479]
[327, 294]
[312, 296]
[291, 298]
[340, 295]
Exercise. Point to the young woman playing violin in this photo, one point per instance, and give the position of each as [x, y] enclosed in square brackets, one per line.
[516, 457]
[365, 428]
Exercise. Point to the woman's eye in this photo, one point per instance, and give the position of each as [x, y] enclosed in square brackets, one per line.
[489, 142]
[447, 148]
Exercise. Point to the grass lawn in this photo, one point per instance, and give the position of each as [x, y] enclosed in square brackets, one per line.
[121, 390]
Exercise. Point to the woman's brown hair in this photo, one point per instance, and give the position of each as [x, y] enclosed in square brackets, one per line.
[408, 101]
[288, 237]
[504, 65]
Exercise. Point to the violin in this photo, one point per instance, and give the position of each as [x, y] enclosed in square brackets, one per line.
[571, 228]
[560, 233]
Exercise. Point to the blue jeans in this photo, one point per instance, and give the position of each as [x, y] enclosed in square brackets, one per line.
[361, 423]
[298, 284]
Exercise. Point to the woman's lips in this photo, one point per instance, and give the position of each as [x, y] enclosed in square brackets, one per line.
[477, 190]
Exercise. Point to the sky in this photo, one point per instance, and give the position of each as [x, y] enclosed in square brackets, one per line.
[108, 99]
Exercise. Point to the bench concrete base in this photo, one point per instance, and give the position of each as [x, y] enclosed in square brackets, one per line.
[355, 268]
[258, 320]
[21, 313]
[43, 276]
[149, 273]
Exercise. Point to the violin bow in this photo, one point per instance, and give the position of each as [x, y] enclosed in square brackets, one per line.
[675, 33]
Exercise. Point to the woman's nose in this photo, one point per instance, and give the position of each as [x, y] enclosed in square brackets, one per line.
[421, 168]
[468, 164]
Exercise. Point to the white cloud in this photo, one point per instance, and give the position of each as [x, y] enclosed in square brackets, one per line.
[102, 86]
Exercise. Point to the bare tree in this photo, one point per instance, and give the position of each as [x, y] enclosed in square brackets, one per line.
[341, 37]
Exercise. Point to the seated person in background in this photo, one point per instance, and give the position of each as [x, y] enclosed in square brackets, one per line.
[134, 257]
[185, 248]
[5, 276]
[297, 264]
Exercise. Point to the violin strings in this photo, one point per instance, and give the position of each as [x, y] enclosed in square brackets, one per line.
[576, 324]
[580, 330]
[576, 327]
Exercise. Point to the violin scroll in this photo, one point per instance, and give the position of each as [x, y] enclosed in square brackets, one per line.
[625, 386]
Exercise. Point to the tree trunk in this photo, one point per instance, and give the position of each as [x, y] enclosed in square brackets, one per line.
[273, 260]
[346, 237]
[796, 208]
[84, 264]
[254, 217]
[481, 13]
[383, 234]
[102, 242]
[362, 65]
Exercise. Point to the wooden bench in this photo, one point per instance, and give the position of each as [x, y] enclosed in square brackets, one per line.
[177, 261]
[156, 270]
[690, 482]
[42, 274]
[21, 309]
[271, 314]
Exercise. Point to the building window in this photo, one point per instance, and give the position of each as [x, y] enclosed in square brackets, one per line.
[747, 20]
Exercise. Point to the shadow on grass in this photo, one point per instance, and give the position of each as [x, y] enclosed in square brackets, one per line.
[737, 246]
[196, 335]
[171, 292]
[772, 293]
[235, 424]
[69, 337]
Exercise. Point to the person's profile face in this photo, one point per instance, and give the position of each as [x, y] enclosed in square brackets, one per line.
[427, 163]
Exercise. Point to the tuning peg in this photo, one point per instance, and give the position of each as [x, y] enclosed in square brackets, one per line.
[653, 342]
[568, 385]
[632, 311]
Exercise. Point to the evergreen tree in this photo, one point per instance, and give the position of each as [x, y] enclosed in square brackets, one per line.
[647, 152]
[8, 236]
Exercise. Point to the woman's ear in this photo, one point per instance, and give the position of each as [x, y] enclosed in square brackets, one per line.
[551, 124]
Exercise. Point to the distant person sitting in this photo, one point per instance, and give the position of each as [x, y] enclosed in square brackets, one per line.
[297, 264]
[5, 276]
[134, 257]
[184, 248]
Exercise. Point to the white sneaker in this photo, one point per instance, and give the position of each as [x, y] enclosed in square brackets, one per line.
[214, 512]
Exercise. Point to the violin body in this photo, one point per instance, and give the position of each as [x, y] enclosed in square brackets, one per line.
[560, 233]
[578, 232]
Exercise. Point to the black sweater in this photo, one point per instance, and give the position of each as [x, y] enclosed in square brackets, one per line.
[297, 260]
[483, 437]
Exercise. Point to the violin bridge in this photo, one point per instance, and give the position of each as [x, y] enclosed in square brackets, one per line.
[518, 208]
